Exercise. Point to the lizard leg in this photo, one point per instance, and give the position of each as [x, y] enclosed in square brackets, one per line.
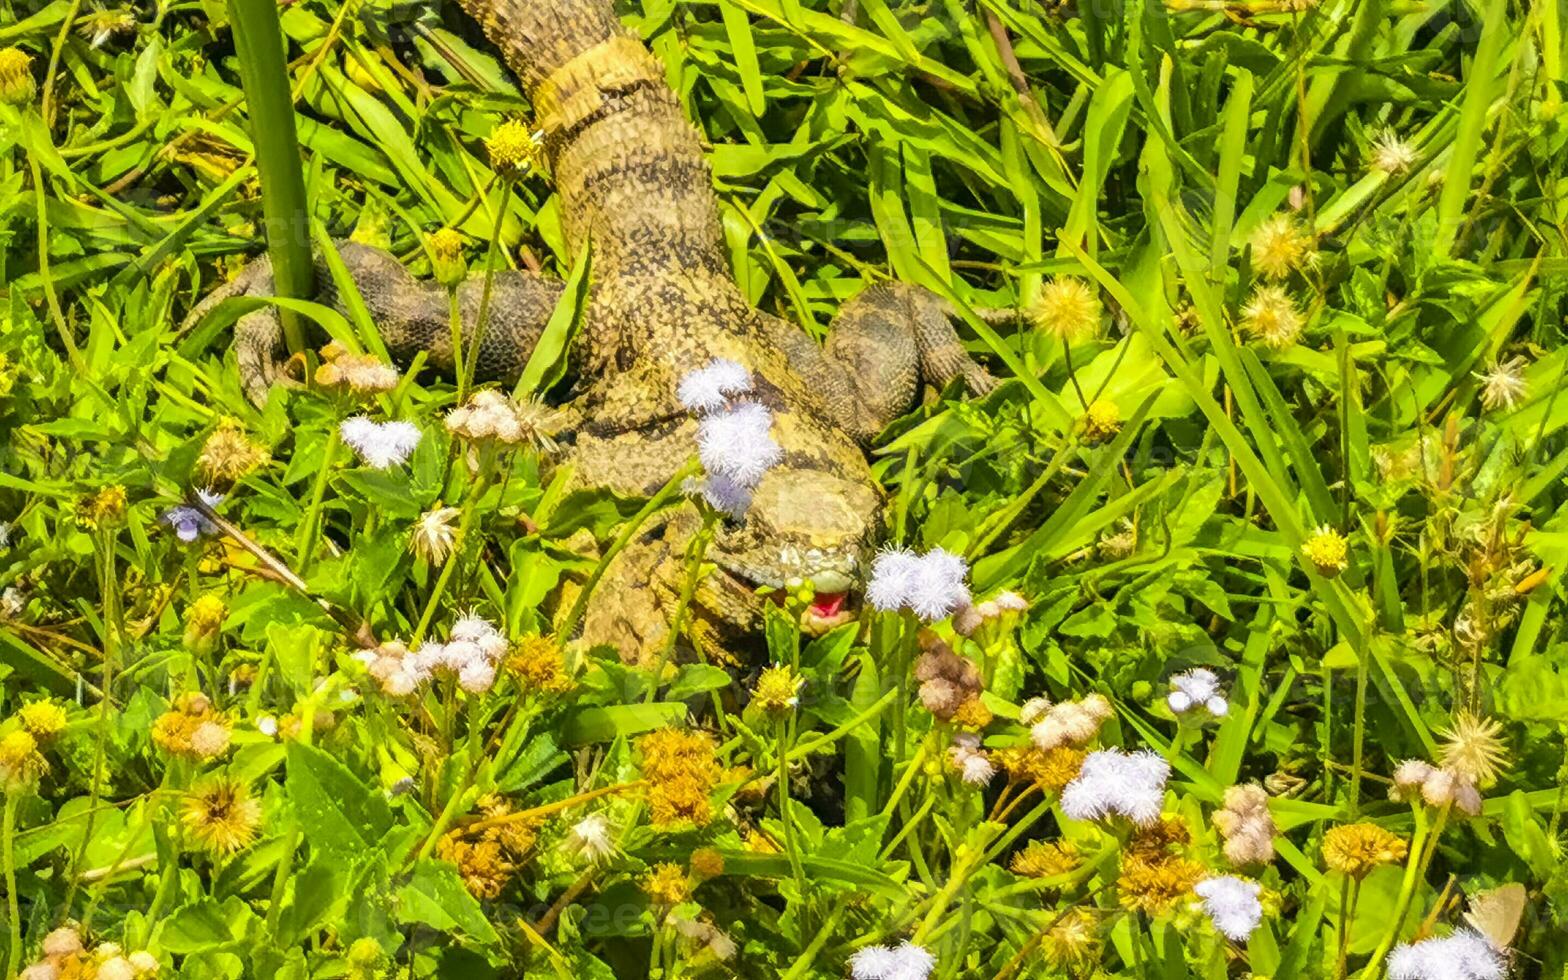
[411, 315]
[882, 345]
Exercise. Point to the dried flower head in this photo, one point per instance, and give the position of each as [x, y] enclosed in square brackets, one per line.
[1281, 246]
[947, 681]
[1041, 859]
[1271, 316]
[1390, 154]
[1436, 786]
[16, 77]
[591, 839]
[514, 149]
[229, 454]
[489, 416]
[973, 764]
[1071, 723]
[1358, 848]
[1154, 882]
[1072, 946]
[482, 863]
[434, 534]
[777, 691]
[681, 770]
[706, 863]
[1472, 747]
[361, 375]
[1067, 308]
[220, 815]
[1327, 550]
[1504, 386]
[1246, 826]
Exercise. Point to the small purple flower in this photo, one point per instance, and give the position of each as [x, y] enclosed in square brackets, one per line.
[188, 522]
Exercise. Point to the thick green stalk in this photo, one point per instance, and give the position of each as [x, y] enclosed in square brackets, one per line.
[258, 39]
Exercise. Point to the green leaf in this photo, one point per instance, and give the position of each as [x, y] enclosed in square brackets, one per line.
[337, 811]
[436, 897]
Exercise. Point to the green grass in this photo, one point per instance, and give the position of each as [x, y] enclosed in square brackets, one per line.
[986, 150]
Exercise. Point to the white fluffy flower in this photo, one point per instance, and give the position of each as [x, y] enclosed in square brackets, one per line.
[737, 443]
[1115, 782]
[711, 388]
[380, 444]
[931, 585]
[267, 725]
[42, 970]
[722, 494]
[1198, 688]
[590, 838]
[892, 571]
[477, 676]
[116, 968]
[973, 764]
[1033, 710]
[1464, 955]
[906, 962]
[63, 942]
[1232, 904]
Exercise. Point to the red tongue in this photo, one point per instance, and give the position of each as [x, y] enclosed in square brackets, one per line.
[828, 603]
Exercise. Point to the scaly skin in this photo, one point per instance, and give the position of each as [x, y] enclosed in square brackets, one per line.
[632, 180]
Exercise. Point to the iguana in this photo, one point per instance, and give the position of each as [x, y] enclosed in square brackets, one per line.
[632, 179]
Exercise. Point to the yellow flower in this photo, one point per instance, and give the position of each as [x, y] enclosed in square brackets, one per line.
[1271, 316]
[1153, 884]
[42, 719]
[681, 771]
[973, 714]
[21, 764]
[446, 256]
[778, 690]
[228, 454]
[1050, 769]
[536, 661]
[1357, 848]
[1045, 860]
[1102, 420]
[16, 77]
[514, 150]
[1067, 308]
[221, 816]
[667, 884]
[1327, 550]
[707, 862]
[1280, 246]
[481, 863]
[106, 508]
[1472, 748]
[192, 729]
[203, 620]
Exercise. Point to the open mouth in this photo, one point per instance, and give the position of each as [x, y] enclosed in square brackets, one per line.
[826, 610]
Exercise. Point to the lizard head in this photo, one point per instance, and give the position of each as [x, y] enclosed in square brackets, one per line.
[805, 528]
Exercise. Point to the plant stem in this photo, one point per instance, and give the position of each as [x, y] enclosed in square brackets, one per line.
[1360, 729]
[1423, 844]
[309, 529]
[465, 528]
[785, 816]
[258, 39]
[13, 905]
